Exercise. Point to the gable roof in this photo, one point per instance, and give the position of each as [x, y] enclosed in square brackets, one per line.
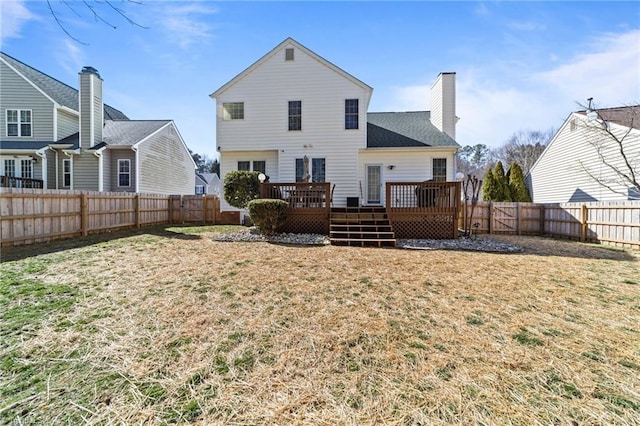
[130, 132]
[59, 92]
[628, 116]
[405, 129]
[289, 42]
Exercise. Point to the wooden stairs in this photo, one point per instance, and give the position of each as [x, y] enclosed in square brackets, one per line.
[361, 226]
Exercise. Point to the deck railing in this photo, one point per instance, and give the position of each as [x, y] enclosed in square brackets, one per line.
[423, 197]
[309, 205]
[18, 182]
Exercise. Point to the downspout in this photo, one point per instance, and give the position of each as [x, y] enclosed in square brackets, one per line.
[69, 153]
[43, 164]
[137, 166]
[57, 170]
[98, 153]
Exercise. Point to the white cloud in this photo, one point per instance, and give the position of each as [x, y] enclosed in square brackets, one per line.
[70, 56]
[184, 25]
[493, 104]
[526, 26]
[13, 15]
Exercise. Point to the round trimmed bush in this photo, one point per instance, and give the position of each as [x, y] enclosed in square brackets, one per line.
[267, 214]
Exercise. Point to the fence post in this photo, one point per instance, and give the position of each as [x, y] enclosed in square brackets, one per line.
[542, 218]
[205, 200]
[518, 221]
[136, 205]
[583, 222]
[84, 214]
[491, 218]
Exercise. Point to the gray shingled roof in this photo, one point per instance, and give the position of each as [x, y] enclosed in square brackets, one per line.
[404, 129]
[61, 93]
[129, 132]
[25, 145]
[628, 116]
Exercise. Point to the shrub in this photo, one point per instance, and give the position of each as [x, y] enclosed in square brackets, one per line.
[489, 187]
[267, 214]
[519, 191]
[240, 187]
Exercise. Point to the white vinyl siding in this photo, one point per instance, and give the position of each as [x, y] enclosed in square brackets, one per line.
[165, 165]
[112, 167]
[85, 172]
[67, 124]
[323, 92]
[559, 174]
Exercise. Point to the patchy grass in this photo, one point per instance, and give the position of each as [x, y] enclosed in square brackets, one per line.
[166, 326]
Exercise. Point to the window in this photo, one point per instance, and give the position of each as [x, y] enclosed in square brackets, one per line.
[295, 115]
[317, 171]
[66, 172]
[124, 172]
[440, 169]
[233, 111]
[260, 166]
[19, 122]
[573, 125]
[10, 168]
[350, 113]
[244, 165]
[26, 167]
[288, 54]
[199, 189]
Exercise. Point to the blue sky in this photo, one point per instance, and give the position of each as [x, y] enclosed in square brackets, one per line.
[519, 65]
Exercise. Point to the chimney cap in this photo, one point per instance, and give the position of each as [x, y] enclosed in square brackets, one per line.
[90, 70]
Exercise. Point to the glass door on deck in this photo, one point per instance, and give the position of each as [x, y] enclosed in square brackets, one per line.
[374, 183]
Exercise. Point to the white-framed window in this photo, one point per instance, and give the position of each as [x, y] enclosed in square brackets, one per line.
[26, 168]
[351, 114]
[295, 115]
[317, 172]
[233, 111]
[258, 166]
[440, 169]
[10, 168]
[19, 122]
[199, 189]
[66, 172]
[124, 172]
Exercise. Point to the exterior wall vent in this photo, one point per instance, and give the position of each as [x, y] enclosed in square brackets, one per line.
[288, 54]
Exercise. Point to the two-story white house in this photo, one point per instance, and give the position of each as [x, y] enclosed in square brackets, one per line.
[293, 104]
[57, 137]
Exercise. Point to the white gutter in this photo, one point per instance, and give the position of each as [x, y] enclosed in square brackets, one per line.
[135, 149]
[42, 154]
[98, 153]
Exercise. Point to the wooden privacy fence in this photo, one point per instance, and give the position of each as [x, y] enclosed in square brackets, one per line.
[34, 215]
[613, 223]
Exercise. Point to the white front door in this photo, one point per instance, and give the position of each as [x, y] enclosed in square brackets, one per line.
[374, 183]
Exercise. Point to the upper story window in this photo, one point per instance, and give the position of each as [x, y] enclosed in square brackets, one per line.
[295, 115]
[233, 111]
[124, 172]
[66, 172]
[350, 113]
[288, 54]
[19, 122]
[440, 169]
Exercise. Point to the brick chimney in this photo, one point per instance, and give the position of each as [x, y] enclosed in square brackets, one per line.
[91, 107]
[443, 103]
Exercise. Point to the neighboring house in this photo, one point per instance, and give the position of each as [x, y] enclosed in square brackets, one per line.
[208, 183]
[70, 139]
[293, 104]
[578, 164]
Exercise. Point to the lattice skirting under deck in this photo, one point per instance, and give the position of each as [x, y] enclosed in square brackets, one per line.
[419, 226]
[306, 224]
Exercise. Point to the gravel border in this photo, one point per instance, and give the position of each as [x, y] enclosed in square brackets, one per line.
[472, 244]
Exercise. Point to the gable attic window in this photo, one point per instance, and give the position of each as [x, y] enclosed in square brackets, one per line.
[18, 122]
[233, 111]
[288, 54]
[573, 125]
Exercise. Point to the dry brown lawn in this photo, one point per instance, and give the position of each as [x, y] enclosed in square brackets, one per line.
[167, 326]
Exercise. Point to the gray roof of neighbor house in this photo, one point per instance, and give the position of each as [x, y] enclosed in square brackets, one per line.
[130, 132]
[405, 129]
[61, 93]
[628, 116]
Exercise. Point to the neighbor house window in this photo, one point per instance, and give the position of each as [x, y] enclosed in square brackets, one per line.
[440, 169]
[317, 171]
[351, 114]
[295, 115]
[19, 122]
[124, 172]
[233, 111]
[199, 189]
[260, 166]
[26, 167]
[66, 172]
[244, 165]
[288, 54]
[10, 168]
